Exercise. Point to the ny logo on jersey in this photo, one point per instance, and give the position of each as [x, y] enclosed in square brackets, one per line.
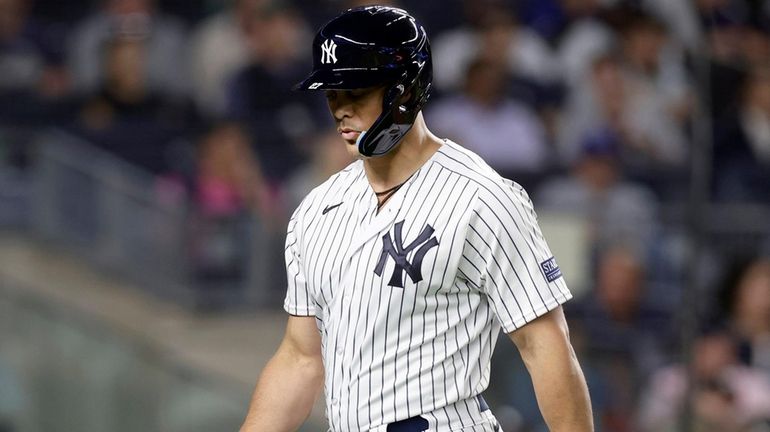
[329, 52]
[399, 253]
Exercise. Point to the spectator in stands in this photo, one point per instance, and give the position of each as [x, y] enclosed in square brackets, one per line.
[219, 49]
[229, 195]
[127, 118]
[31, 71]
[493, 35]
[755, 42]
[229, 179]
[503, 131]
[261, 95]
[742, 145]
[576, 31]
[736, 34]
[317, 12]
[728, 396]
[746, 302]
[162, 35]
[726, 66]
[681, 19]
[653, 65]
[650, 141]
[328, 155]
[615, 210]
[623, 336]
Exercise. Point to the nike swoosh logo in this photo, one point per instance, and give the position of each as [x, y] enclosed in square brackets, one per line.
[327, 209]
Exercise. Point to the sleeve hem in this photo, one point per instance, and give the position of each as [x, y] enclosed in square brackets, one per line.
[522, 320]
[298, 310]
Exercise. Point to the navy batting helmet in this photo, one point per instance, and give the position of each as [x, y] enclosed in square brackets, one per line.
[374, 46]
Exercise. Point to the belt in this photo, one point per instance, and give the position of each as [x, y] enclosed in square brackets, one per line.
[419, 424]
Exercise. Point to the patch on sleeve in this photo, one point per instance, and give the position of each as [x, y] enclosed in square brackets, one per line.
[550, 269]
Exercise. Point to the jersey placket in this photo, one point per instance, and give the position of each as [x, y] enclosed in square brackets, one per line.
[373, 225]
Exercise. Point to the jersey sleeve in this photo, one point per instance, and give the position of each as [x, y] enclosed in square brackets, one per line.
[507, 258]
[299, 299]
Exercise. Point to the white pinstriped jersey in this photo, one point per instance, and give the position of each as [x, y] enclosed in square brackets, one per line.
[409, 300]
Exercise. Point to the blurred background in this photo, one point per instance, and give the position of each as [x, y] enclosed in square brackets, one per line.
[151, 152]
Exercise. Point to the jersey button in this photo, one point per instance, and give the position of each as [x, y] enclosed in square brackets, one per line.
[340, 349]
[335, 401]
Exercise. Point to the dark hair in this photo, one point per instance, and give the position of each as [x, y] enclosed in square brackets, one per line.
[729, 285]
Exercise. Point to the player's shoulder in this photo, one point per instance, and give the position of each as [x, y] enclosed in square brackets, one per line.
[490, 185]
[333, 187]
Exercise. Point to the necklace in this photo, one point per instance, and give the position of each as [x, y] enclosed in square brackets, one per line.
[393, 189]
[385, 195]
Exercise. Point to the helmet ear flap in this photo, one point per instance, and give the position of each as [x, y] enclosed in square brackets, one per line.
[397, 116]
[417, 88]
[394, 101]
[407, 95]
[394, 122]
[394, 95]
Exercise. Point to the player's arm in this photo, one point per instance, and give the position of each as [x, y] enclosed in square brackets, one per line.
[289, 384]
[559, 383]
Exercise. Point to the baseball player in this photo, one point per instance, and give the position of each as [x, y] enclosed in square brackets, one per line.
[404, 266]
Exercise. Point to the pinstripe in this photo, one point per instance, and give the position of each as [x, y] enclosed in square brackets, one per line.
[502, 225]
[515, 246]
[407, 192]
[366, 325]
[347, 330]
[422, 349]
[497, 263]
[373, 351]
[514, 203]
[430, 282]
[436, 314]
[435, 201]
[492, 279]
[333, 342]
[414, 303]
[387, 319]
[400, 313]
[531, 226]
[446, 268]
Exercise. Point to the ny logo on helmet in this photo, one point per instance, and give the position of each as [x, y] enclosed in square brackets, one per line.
[423, 243]
[329, 52]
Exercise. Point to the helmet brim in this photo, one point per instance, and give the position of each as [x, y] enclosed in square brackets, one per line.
[345, 79]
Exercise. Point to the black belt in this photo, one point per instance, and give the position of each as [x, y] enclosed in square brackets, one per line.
[419, 424]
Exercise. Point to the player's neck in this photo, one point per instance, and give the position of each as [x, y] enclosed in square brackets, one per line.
[394, 168]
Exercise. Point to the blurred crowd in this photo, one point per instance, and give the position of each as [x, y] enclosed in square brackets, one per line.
[595, 106]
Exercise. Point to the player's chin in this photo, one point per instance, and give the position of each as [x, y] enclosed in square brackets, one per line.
[352, 149]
